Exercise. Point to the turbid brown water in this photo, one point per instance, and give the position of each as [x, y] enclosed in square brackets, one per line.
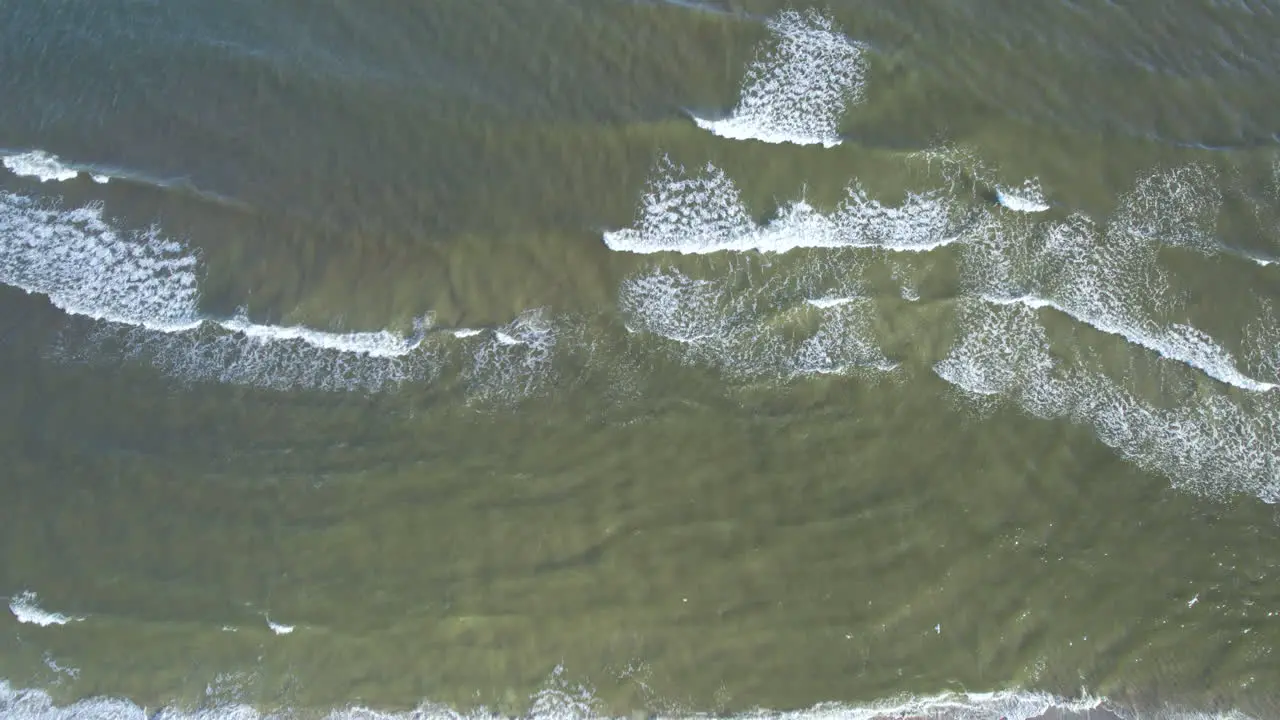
[668, 418]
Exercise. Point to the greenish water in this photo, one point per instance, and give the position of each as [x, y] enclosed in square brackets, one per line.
[1039, 457]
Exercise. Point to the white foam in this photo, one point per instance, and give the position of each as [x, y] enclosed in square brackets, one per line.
[515, 361]
[279, 628]
[59, 669]
[380, 344]
[703, 213]
[143, 290]
[86, 267]
[750, 331]
[842, 343]
[830, 302]
[799, 85]
[40, 165]
[1029, 198]
[1262, 343]
[24, 608]
[675, 306]
[710, 323]
[1108, 277]
[1212, 444]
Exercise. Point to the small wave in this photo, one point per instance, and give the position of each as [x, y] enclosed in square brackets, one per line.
[830, 302]
[213, 353]
[799, 85]
[24, 608]
[48, 167]
[702, 213]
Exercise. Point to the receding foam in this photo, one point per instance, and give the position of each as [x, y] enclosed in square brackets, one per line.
[701, 213]
[799, 85]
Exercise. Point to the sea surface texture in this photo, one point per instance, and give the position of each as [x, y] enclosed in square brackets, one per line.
[582, 359]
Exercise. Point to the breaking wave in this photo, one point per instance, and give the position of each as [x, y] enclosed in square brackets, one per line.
[1108, 277]
[136, 296]
[26, 610]
[764, 317]
[1208, 443]
[701, 213]
[1027, 198]
[799, 85]
[772, 318]
[46, 167]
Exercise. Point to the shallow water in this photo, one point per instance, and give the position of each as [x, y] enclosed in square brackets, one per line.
[589, 358]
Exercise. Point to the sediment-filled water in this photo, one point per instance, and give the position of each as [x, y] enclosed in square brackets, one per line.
[609, 358]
